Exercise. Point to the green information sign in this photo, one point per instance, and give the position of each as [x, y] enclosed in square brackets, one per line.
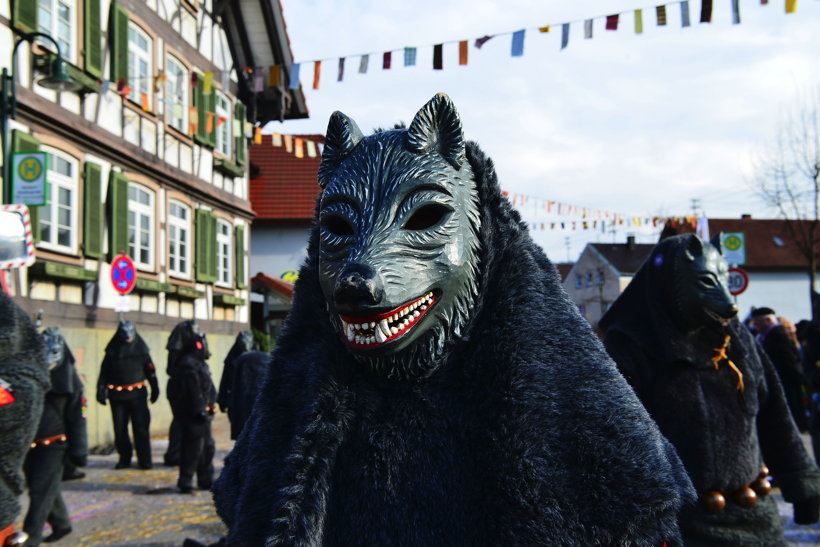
[734, 247]
[29, 185]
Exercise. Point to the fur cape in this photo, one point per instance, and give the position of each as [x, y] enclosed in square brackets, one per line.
[23, 368]
[526, 433]
[722, 434]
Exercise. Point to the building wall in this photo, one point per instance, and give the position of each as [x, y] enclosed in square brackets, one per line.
[786, 293]
[592, 285]
[276, 250]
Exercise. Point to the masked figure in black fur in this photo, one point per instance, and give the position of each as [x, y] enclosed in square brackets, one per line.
[192, 395]
[61, 434]
[714, 393]
[126, 373]
[434, 385]
[242, 379]
[180, 341]
[24, 380]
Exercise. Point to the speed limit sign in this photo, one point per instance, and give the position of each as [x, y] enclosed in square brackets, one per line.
[738, 281]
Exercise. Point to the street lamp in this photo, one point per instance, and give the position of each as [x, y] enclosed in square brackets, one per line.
[58, 80]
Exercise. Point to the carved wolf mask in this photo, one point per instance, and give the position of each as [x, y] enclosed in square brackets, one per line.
[700, 282]
[398, 248]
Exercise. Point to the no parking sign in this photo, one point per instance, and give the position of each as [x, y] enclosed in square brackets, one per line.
[123, 274]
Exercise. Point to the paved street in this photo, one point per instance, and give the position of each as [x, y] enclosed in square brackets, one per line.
[135, 508]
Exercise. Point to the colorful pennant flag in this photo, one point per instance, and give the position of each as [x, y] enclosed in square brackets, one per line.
[463, 47]
[194, 79]
[409, 56]
[638, 21]
[293, 83]
[289, 143]
[437, 56]
[706, 11]
[177, 110]
[481, 41]
[363, 62]
[660, 13]
[259, 79]
[275, 76]
[209, 125]
[517, 48]
[144, 102]
[317, 73]
[735, 12]
[387, 60]
[207, 85]
[341, 75]
[544, 29]
[588, 29]
[276, 139]
[257, 135]
[612, 22]
[193, 120]
[791, 6]
[300, 151]
[311, 148]
[564, 35]
[684, 14]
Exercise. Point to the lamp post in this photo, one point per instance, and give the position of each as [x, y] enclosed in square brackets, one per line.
[58, 80]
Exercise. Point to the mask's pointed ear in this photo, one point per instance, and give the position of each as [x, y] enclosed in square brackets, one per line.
[717, 241]
[437, 127]
[694, 247]
[342, 137]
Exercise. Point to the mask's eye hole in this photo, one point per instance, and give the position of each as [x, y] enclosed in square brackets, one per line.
[337, 225]
[426, 217]
[708, 281]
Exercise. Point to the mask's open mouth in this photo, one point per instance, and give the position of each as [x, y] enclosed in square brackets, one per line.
[376, 330]
[717, 317]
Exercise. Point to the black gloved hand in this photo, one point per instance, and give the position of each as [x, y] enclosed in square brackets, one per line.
[101, 392]
[201, 416]
[154, 395]
[807, 511]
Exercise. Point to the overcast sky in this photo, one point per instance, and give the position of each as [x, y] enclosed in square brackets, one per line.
[633, 124]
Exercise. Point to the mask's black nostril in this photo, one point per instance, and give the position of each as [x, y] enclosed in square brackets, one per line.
[358, 285]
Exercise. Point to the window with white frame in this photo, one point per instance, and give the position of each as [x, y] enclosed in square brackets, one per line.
[176, 94]
[140, 66]
[58, 18]
[179, 239]
[58, 218]
[223, 252]
[223, 124]
[141, 225]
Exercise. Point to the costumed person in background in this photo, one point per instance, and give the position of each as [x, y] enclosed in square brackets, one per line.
[434, 384]
[782, 351]
[61, 433]
[193, 401]
[24, 380]
[238, 385]
[180, 341]
[126, 368]
[714, 393]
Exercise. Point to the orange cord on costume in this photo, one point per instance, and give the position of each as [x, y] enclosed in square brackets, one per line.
[721, 355]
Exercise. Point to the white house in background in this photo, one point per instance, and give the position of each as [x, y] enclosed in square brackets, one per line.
[601, 273]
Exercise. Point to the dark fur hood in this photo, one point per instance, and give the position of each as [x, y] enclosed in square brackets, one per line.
[526, 433]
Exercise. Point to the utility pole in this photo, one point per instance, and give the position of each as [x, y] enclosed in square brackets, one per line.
[695, 206]
[566, 242]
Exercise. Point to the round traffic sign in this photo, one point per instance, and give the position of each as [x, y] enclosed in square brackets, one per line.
[123, 274]
[738, 281]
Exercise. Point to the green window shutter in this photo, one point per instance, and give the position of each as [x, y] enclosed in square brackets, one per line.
[93, 38]
[201, 110]
[93, 211]
[119, 55]
[118, 211]
[23, 142]
[241, 282]
[241, 141]
[206, 267]
[24, 15]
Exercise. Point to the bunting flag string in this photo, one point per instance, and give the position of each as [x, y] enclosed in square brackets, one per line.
[612, 23]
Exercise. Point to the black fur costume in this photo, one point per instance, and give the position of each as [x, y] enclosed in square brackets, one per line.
[722, 434]
[242, 378]
[25, 374]
[525, 433]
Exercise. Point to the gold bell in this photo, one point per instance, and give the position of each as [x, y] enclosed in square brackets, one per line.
[746, 497]
[714, 502]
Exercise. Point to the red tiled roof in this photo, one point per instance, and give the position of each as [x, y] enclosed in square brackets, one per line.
[286, 187]
[769, 244]
[278, 285]
[563, 269]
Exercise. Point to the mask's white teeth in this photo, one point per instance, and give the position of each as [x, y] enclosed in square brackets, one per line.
[394, 330]
[384, 328]
[351, 335]
[380, 337]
